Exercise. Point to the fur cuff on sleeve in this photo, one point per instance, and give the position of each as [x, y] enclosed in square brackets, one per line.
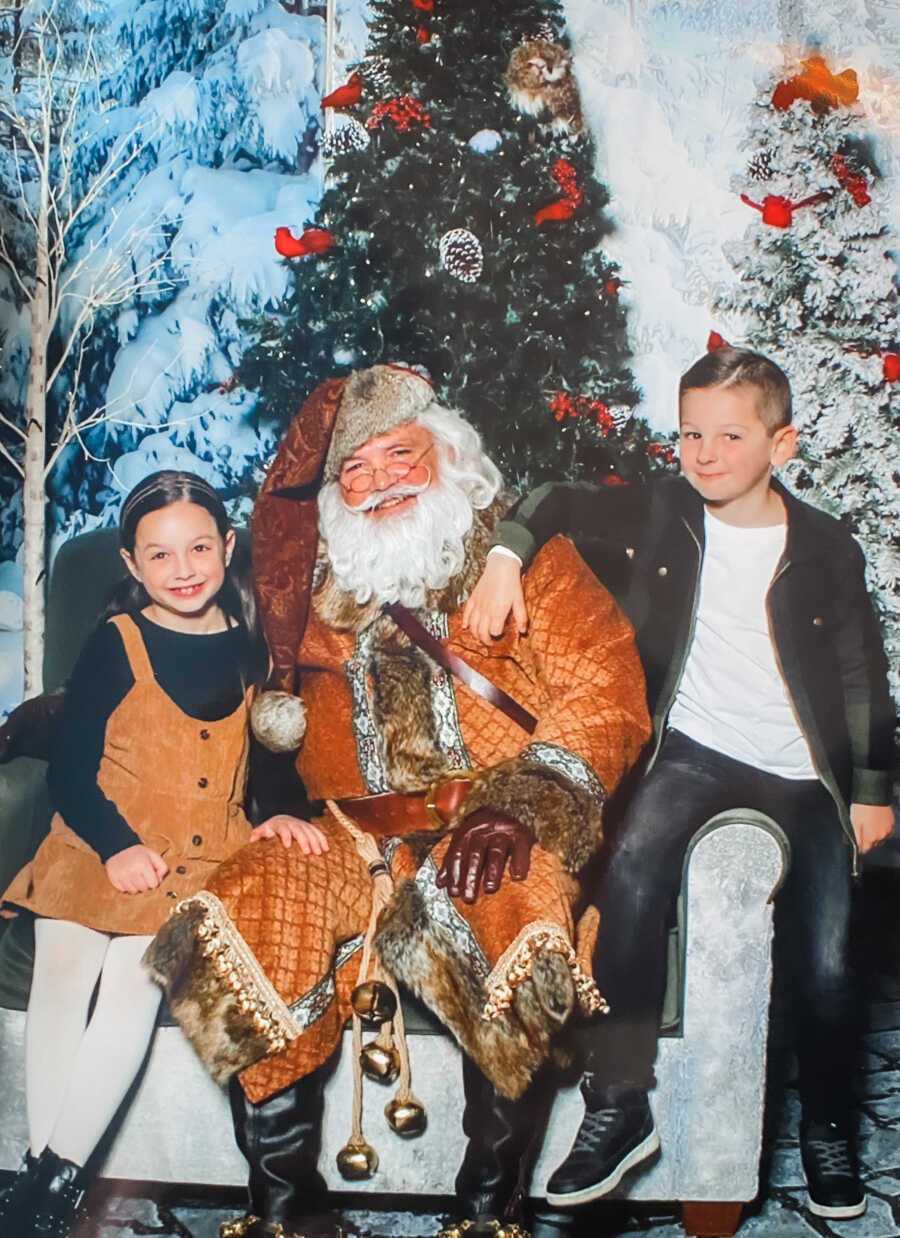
[565, 816]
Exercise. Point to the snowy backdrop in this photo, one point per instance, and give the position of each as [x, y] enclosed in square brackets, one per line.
[225, 99]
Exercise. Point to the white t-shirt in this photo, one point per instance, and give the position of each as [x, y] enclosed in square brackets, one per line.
[732, 697]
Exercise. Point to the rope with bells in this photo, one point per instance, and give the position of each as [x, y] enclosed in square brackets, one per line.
[376, 1001]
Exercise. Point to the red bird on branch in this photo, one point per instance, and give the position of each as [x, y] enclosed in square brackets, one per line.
[310, 241]
[344, 96]
[778, 212]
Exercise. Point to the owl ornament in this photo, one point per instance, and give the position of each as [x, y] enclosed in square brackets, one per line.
[540, 79]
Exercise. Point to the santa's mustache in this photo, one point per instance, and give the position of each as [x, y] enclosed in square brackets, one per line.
[400, 490]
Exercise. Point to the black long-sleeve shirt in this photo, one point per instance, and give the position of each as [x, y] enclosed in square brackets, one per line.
[202, 673]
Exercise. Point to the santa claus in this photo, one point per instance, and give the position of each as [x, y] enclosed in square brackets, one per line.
[462, 786]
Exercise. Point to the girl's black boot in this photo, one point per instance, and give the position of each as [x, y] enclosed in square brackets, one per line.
[17, 1200]
[58, 1194]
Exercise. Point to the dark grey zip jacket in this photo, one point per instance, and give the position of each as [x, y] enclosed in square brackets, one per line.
[645, 542]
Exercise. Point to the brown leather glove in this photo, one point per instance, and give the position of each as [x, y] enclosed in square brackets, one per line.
[29, 729]
[479, 848]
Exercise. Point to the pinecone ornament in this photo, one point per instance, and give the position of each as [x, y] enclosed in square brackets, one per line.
[349, 136]
[376, 76]
[760, 166]
[462, 255]
[544, 30]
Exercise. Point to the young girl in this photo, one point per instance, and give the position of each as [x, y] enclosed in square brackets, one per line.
[147, 775]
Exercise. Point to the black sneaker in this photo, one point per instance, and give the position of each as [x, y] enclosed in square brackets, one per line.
[832, 1179]
[616, 1133]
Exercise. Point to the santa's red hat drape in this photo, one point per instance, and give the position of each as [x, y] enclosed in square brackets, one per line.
[284, 528]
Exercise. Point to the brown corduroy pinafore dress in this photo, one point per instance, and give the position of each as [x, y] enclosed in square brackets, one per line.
[177, 781]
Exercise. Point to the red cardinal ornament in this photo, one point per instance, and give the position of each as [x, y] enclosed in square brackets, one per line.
[562, 208]
[714, 342]
[890, 367]
[823, 89]
[310, 241]
[778, 212]
[344, 96]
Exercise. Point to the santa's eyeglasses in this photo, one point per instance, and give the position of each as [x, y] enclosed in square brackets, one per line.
[359, 478]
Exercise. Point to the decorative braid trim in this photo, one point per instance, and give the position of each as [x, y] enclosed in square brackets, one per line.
[517, 961]
[239, 970]
[498, 1228]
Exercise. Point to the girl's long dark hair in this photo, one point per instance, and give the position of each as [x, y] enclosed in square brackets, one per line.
[236, 596]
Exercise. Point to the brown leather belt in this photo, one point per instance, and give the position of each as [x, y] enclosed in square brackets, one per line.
[419, 635]
[393, 813]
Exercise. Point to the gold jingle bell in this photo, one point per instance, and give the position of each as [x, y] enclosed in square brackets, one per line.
[406, 1117]
[357, 1161]
[378, 1063]
[373, 1002]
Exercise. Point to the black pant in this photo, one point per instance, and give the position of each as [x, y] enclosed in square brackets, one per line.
[687, 785]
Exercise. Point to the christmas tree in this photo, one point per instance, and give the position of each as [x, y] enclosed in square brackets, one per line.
[461, 232]
[818, 294]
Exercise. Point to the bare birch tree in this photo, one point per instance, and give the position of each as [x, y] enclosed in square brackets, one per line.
[64, 281]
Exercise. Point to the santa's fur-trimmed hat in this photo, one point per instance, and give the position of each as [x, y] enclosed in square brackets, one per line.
[339, 416]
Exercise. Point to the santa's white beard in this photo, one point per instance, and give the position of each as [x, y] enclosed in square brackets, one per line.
[397, 556]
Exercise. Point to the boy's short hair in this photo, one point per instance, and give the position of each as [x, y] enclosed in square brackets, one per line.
[740, 367]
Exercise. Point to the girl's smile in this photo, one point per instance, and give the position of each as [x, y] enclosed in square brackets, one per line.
[180, 558]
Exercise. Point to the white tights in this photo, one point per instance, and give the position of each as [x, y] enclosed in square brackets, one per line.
[77, 1072]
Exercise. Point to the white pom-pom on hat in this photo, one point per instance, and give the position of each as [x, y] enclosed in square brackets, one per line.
[278, 720]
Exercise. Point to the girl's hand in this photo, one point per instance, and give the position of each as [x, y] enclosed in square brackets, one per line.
[498, 592]
[289, 829]
[136, 869]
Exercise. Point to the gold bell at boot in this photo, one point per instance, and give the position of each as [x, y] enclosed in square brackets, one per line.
[406, 1118]
[356, 1161]
[374, 1003]
[379, 1063]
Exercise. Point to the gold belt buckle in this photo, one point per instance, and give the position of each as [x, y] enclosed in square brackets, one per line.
[454, 775]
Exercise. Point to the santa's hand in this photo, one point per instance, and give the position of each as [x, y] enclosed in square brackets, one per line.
[499, 591]
[136, 869]
[479, 848]
[308, 837]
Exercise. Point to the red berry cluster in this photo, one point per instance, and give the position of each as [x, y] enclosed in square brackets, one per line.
[854, 182]
[563, 405]
[404, 111]
[563, 208]
[659, 449]
[564, 175]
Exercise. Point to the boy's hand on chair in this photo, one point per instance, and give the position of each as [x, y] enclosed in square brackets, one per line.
[289, 829]
[136, 869]
[872, 824]
[499, 591]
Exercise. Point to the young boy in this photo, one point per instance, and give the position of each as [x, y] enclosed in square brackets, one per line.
[767, 685]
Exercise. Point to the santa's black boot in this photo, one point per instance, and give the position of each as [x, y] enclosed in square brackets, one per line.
[504, 1137]
[280, 1138]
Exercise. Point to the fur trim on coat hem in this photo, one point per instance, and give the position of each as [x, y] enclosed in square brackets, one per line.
[507, 1048]
[216, 989]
